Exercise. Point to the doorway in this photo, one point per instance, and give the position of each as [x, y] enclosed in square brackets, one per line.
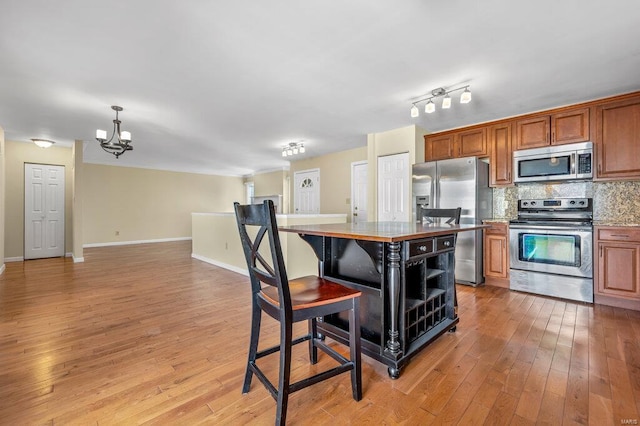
[306, 195]
[43, 211]
[359, 212]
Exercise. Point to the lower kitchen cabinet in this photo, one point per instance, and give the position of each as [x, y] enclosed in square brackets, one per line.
[496, 254]
[617, 266]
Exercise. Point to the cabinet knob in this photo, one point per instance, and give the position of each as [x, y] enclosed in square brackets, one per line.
[447, 243]
[422, 248]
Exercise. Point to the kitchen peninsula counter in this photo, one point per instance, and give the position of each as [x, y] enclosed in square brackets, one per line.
[405, 271]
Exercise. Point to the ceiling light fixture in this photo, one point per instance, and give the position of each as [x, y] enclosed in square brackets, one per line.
[430, 106]
[293, 148]
[123, 142]
[43, 143]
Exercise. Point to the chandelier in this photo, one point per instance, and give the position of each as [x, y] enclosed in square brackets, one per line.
[293, 148]
[123, 139]
[430, 106]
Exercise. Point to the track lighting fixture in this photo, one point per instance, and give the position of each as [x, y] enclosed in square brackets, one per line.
[293, 148]
[430, 106]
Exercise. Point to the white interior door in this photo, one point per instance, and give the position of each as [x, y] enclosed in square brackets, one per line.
[306, 195]
[43, 211]
[359, 191]
[393, 188]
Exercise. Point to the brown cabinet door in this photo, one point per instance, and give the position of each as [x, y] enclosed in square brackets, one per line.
[532, 132]
[618, 139]
[501, 162]
[619, 269]
[472, 143]
[570, 127]
[438, 147]
[496, 260]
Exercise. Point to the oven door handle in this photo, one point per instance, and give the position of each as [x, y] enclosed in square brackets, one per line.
[552, 228]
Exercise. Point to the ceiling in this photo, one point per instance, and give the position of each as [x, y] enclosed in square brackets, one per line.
[218, 87]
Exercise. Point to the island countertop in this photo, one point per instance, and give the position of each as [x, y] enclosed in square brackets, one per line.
[387, 232]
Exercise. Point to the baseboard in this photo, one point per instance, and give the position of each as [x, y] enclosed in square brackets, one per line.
[14, 259]
[242, 271]
[126, 243]
[77, 259]
[2, 268]
[497, 282]
[617, 302]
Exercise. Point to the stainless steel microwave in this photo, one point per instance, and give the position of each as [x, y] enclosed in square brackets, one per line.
[554, 163]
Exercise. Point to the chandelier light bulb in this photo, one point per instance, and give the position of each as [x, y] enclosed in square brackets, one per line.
[125, 136]
[101, 135]
[284, 152]
[414, 111]
[301, 149]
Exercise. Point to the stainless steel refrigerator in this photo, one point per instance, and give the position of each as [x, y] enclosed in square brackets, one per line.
[458, 182]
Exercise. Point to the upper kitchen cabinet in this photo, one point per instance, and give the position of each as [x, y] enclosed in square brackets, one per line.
[501, 160]
[569, 126]
[472, 143]
[439, 147]
[618, 139]
[465, 143]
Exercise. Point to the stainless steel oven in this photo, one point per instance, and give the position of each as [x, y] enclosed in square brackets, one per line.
[551, 248]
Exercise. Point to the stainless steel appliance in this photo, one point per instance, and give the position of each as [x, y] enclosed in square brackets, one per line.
[458, 182]
[551, 248]
[554, 163]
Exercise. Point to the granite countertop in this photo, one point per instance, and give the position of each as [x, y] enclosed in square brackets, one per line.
[496, 220]
[611, 223]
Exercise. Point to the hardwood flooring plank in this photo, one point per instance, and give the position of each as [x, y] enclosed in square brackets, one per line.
[147, 334]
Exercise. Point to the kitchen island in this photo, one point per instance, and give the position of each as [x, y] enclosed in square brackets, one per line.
[405, 271]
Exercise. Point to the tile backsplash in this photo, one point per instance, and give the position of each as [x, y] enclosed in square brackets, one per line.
[613, 202]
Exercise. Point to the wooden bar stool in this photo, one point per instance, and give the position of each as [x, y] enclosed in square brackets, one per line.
[290, 301]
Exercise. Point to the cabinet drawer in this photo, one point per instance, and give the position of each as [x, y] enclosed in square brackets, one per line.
[496, 229]
[420, 247]
[619, 234]
[444, 243]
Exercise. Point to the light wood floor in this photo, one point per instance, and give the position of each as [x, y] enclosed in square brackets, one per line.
[145, 333]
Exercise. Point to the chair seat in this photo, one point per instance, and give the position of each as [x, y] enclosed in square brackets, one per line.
[311, 291]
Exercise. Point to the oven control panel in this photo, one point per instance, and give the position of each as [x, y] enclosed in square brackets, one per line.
[554, 204]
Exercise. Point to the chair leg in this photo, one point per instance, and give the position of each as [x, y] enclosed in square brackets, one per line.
[313, 349]
[354, 349]
[256, 317]
[285, 371]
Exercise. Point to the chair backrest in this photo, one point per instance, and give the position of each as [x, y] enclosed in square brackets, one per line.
[449, 216]
[265, 263]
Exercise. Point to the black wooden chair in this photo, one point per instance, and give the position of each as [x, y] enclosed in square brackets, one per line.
[290, 301]
[449, 217]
